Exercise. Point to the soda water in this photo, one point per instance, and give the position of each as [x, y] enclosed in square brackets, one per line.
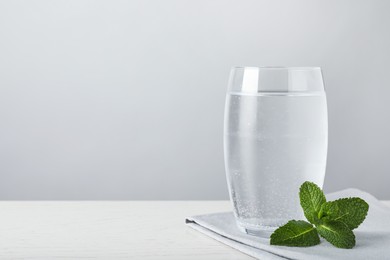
[273, 143]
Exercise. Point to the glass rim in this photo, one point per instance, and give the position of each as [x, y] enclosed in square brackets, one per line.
[275, 79]
[307, 68]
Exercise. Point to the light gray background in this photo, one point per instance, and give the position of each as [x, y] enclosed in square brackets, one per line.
[125, 99]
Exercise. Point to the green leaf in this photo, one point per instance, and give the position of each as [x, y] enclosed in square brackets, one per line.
[337, 233]
[351, 211]
[295, 233]
[328, 210]
[311, 197]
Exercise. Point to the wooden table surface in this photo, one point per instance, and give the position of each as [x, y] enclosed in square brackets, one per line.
[108, 230]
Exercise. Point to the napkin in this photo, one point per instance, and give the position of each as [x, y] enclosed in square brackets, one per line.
[372, 236]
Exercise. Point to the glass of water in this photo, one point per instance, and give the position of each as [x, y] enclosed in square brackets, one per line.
[275, 138]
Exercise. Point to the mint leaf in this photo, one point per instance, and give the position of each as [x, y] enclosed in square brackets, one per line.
[295, 233]
[337, 233]
[311, 197]
[328, 210]
[351, 211]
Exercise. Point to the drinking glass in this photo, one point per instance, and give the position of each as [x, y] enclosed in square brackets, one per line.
[275, 138]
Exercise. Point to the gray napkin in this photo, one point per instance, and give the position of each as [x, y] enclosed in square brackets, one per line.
[372, 237]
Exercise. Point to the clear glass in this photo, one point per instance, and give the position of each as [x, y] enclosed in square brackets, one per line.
[275, 138]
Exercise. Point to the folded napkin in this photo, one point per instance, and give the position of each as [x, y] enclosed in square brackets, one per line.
[372, 236]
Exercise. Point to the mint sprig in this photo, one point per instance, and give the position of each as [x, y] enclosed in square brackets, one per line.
[332, 220]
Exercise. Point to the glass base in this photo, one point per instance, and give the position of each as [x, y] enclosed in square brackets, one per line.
[266, 233]
[256, 230]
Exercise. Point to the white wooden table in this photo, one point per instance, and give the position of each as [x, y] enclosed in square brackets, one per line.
[108, 230]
